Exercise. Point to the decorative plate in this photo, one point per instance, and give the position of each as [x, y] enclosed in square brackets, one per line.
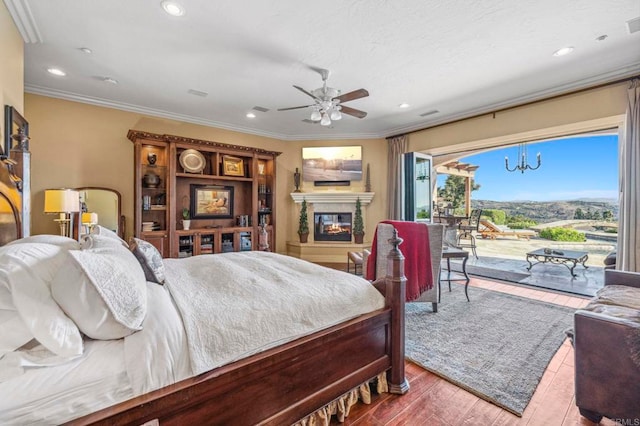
[192, 161]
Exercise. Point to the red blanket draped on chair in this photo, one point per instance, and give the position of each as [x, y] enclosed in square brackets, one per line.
[417, 254]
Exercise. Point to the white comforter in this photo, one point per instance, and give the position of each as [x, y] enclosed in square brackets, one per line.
[236, 304]
[213, 310]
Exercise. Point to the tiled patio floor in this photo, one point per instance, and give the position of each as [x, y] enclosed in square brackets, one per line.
[547, 276]
[505, 259]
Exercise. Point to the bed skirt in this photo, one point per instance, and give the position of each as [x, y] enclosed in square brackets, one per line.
[342, 405]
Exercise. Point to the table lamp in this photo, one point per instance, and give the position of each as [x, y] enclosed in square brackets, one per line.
[89, 220]
[64, 202]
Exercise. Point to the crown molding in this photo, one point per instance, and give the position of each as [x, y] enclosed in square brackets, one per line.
[625, 72]
[565, 89]
[75, 97]
[23, 18]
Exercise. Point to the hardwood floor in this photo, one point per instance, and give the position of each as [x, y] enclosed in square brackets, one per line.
[434, 401]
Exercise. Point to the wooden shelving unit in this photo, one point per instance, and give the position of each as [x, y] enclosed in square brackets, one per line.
[229, 194]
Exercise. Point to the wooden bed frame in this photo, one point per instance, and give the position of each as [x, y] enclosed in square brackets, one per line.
[279, 386]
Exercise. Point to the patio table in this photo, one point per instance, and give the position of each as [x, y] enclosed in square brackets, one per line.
[558, 257]
[451, 223]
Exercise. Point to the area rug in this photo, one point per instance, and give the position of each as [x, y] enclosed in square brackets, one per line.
[497, 346]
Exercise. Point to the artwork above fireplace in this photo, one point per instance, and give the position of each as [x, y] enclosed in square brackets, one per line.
[332, 226]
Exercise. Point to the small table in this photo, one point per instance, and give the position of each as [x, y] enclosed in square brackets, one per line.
[558, 257]
[455, 253]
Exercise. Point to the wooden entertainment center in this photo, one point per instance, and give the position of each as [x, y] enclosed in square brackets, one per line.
[227, 190]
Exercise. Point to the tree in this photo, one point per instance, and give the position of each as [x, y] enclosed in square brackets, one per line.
[358, 225]
[453, 190]
[579, 214]
[303, 225]
[607, 215]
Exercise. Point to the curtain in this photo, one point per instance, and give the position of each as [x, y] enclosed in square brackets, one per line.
[629, 221]
[397, 146]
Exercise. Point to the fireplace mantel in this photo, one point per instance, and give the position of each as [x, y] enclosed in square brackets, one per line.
[332, 197]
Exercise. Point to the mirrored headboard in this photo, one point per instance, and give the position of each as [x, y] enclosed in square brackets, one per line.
[106, 203]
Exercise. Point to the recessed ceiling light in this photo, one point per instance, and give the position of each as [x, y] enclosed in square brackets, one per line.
[172, 8]
[404, 105]
[56, 71]
[563, 51]
[85, 50]
[251, 115]
[110, 80]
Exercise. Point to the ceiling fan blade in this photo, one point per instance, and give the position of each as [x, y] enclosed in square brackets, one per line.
[352, 111]
[298, 107]
[304, 91]
[356, 94]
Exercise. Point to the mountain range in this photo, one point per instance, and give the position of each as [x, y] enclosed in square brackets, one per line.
[549, 211]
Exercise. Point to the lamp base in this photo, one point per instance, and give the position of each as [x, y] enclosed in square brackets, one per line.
[64, 226]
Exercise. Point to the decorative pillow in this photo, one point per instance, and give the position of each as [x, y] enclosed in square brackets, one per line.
[103, 289]
[28, 309]
[150, 259]
[56, 240]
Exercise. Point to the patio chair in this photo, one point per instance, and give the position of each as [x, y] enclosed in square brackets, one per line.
[488, 229]
[384, 232]
[467, 228]
[438, 212]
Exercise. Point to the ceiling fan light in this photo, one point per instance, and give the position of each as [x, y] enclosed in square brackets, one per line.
[336, 114]
[315, 115]
[326, 121]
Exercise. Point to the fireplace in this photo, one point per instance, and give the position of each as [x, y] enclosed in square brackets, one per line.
[332, 226]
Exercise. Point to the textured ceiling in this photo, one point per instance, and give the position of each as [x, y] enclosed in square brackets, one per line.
[458, 57]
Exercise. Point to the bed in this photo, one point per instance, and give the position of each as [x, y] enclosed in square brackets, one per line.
[281, 380]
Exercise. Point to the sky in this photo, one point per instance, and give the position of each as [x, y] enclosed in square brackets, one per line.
[572, 168]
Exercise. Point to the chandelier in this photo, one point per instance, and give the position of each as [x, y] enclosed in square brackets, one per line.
[523, 164]
[326, 108]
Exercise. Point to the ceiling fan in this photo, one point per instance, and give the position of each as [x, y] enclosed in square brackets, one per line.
[328, 102]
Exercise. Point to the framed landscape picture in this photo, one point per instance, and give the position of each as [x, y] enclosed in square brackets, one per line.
[232, 166]
[211, 202]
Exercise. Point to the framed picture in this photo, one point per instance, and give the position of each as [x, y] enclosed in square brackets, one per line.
[232, 166]
[211, 202]
[329, 164]
[16, 128]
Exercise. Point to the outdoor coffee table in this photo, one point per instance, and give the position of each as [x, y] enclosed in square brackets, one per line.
[558, 257]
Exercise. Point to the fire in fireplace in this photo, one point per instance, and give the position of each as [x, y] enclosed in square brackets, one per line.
[332, 226]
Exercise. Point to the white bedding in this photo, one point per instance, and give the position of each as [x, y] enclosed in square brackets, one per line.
[221, 308]
[109, 371]
[252, 301]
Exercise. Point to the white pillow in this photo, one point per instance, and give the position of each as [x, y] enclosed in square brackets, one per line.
[93, 241]
[106, 232]
[26, 271]
[13, 331]
[103, 289]
[56, 240]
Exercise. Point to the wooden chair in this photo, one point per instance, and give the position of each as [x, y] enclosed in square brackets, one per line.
[385, 233]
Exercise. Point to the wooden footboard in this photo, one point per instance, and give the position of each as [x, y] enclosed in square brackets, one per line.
[284, 384]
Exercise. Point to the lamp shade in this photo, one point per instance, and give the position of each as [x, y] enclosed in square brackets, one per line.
[89, 218]
[61, 201]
